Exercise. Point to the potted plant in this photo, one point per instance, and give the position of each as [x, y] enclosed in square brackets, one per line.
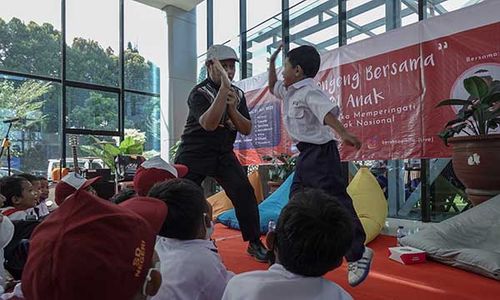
[476, 151]
[132, 144]
[280, 168]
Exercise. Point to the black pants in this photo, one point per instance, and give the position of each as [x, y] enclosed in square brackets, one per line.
[318, 166]
[233, 179]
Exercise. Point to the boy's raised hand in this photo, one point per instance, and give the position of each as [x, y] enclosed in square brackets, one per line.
[275, 53]
[222, 74]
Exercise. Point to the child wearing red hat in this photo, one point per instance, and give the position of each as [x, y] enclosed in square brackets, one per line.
[156, 170]
[72, 183]
[91, 248]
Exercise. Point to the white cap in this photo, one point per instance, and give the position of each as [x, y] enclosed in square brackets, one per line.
[158, 163]
[221, 52]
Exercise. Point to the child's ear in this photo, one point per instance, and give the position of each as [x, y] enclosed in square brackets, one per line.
[271, 240]
[299, 72]
[154, 284]
[15, 200]
[207, 220]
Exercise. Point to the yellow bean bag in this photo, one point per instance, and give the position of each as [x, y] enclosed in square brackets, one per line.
[220, 202]
[369, 202]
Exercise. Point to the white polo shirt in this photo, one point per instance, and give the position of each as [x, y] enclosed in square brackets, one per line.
[191, 270]
[278, 283]
[305, 106]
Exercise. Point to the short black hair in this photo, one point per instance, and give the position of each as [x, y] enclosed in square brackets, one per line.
[11, 186]
[30, 177]
[123, 196]
[313, 233]
[42, 178]
[307, 57]
[186, 206]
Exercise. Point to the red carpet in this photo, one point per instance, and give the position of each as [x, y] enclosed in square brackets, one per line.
[388, 279]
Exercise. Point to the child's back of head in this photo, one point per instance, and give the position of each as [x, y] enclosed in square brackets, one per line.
[313, 233]
[307, 57]
[187, 208]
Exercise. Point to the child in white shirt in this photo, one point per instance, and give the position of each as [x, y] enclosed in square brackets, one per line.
[190, 264]
[312, 235]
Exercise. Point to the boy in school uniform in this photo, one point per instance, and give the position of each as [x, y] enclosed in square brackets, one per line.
[311, 237]
[309, 117]
[20, 197]
[190, 264]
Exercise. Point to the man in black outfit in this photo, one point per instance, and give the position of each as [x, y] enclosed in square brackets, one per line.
[217, 111]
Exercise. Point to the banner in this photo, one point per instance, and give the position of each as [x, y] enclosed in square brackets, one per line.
[388, 87]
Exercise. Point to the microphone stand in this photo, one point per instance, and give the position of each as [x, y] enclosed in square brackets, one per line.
[6, 145]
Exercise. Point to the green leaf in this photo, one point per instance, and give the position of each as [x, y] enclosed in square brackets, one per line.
[126, 143]
[476, 86]
[494, 123]
[491, 98]
[454, 102]
[111, 150]
[458, 128]
[135, 149]
[453, 122]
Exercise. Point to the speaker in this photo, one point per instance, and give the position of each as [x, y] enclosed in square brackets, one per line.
[104, 173]
[104, 189]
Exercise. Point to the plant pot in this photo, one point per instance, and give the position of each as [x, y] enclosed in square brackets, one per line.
[273, 186]
[476, 161]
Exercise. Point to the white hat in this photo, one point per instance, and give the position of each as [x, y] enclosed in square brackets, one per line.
[221, 52]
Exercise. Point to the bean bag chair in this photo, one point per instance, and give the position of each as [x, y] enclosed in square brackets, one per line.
[469, 241]
[369, 202]
[269, 209]
[220, 202]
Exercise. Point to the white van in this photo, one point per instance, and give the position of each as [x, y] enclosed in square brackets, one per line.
[83, 163]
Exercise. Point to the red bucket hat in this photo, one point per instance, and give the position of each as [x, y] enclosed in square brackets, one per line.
[90, 248]
[156, 170]
[70, 184]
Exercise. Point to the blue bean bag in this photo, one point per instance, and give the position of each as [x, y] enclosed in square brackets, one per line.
[269, 209]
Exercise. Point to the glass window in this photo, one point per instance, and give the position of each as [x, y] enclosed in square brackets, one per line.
[439, 7]
[88, 150]
[262, 41]
[30, 39]
[92, 39]
[94, 110]
[365, 18]
[145, 54]
[142, 113]
[226, 20]
[35, 137]
[447, 193]
[409, 12]
[202, 69]
[227, 27]
[201, 28]
[314, 23]
[259, 11]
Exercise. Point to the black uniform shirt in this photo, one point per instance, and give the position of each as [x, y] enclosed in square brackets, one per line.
[201, 149]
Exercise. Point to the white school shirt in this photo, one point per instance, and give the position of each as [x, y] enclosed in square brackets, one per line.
[15, 216]
[305, 106]
[191, 270]
[278, 283]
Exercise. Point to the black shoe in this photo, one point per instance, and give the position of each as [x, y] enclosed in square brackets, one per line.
[258, 251]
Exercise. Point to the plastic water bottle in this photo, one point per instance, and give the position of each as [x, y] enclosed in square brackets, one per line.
[400, 233]
[271, 226]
